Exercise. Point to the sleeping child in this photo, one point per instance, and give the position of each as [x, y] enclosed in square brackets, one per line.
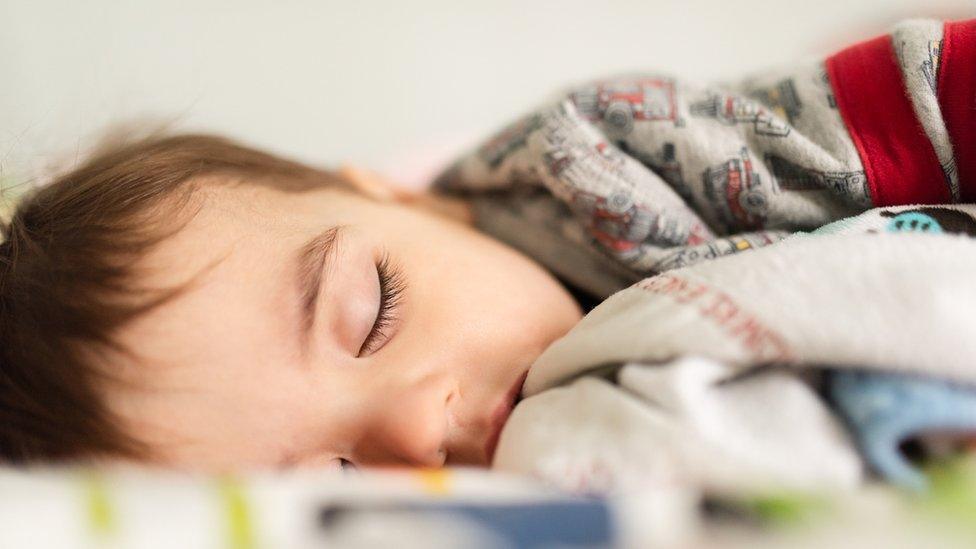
[191, 302]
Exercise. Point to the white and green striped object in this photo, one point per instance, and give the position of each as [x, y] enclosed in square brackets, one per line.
[457, 507]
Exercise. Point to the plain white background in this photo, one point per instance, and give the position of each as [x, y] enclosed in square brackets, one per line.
[390, 85]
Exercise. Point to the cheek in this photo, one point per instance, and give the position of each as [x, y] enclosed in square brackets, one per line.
[526, 304]
[493, 301]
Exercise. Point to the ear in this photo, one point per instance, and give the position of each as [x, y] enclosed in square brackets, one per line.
[374, 185]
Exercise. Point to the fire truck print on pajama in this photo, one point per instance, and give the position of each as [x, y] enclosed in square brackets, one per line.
[614, 220]
[665, 164]
[789, 176]
[507, 141]
[618, 105]
[736, 191]
[734, 109]
[690, 255]
[781, 98]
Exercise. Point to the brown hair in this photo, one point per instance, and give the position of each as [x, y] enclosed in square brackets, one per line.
[68, 281]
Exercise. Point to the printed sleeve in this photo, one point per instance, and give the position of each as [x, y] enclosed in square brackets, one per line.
[891, 92]
[660, 172]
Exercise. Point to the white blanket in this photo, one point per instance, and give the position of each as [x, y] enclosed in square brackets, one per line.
[691, 377]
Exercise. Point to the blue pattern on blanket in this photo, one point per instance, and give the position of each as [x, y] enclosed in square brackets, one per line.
[884, 410]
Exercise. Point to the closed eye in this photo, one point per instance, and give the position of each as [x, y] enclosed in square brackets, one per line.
[392, 286]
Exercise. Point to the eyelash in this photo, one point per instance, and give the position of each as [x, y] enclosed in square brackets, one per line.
[392, 285]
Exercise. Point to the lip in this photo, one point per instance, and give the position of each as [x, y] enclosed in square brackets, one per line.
[500, 415]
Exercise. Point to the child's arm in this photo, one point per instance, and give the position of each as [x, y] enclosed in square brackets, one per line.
[654, 166]
[908, 101]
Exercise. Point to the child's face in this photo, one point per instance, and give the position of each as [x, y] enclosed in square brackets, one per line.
[229, 378]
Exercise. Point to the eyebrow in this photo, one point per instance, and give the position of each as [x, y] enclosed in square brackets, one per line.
[310, 268]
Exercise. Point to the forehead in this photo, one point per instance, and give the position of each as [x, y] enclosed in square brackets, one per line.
[234, 257]
[238, 220]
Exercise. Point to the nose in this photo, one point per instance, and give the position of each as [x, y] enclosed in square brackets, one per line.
[406, 426]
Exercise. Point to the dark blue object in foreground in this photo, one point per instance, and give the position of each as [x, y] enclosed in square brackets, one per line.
[584, 523]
